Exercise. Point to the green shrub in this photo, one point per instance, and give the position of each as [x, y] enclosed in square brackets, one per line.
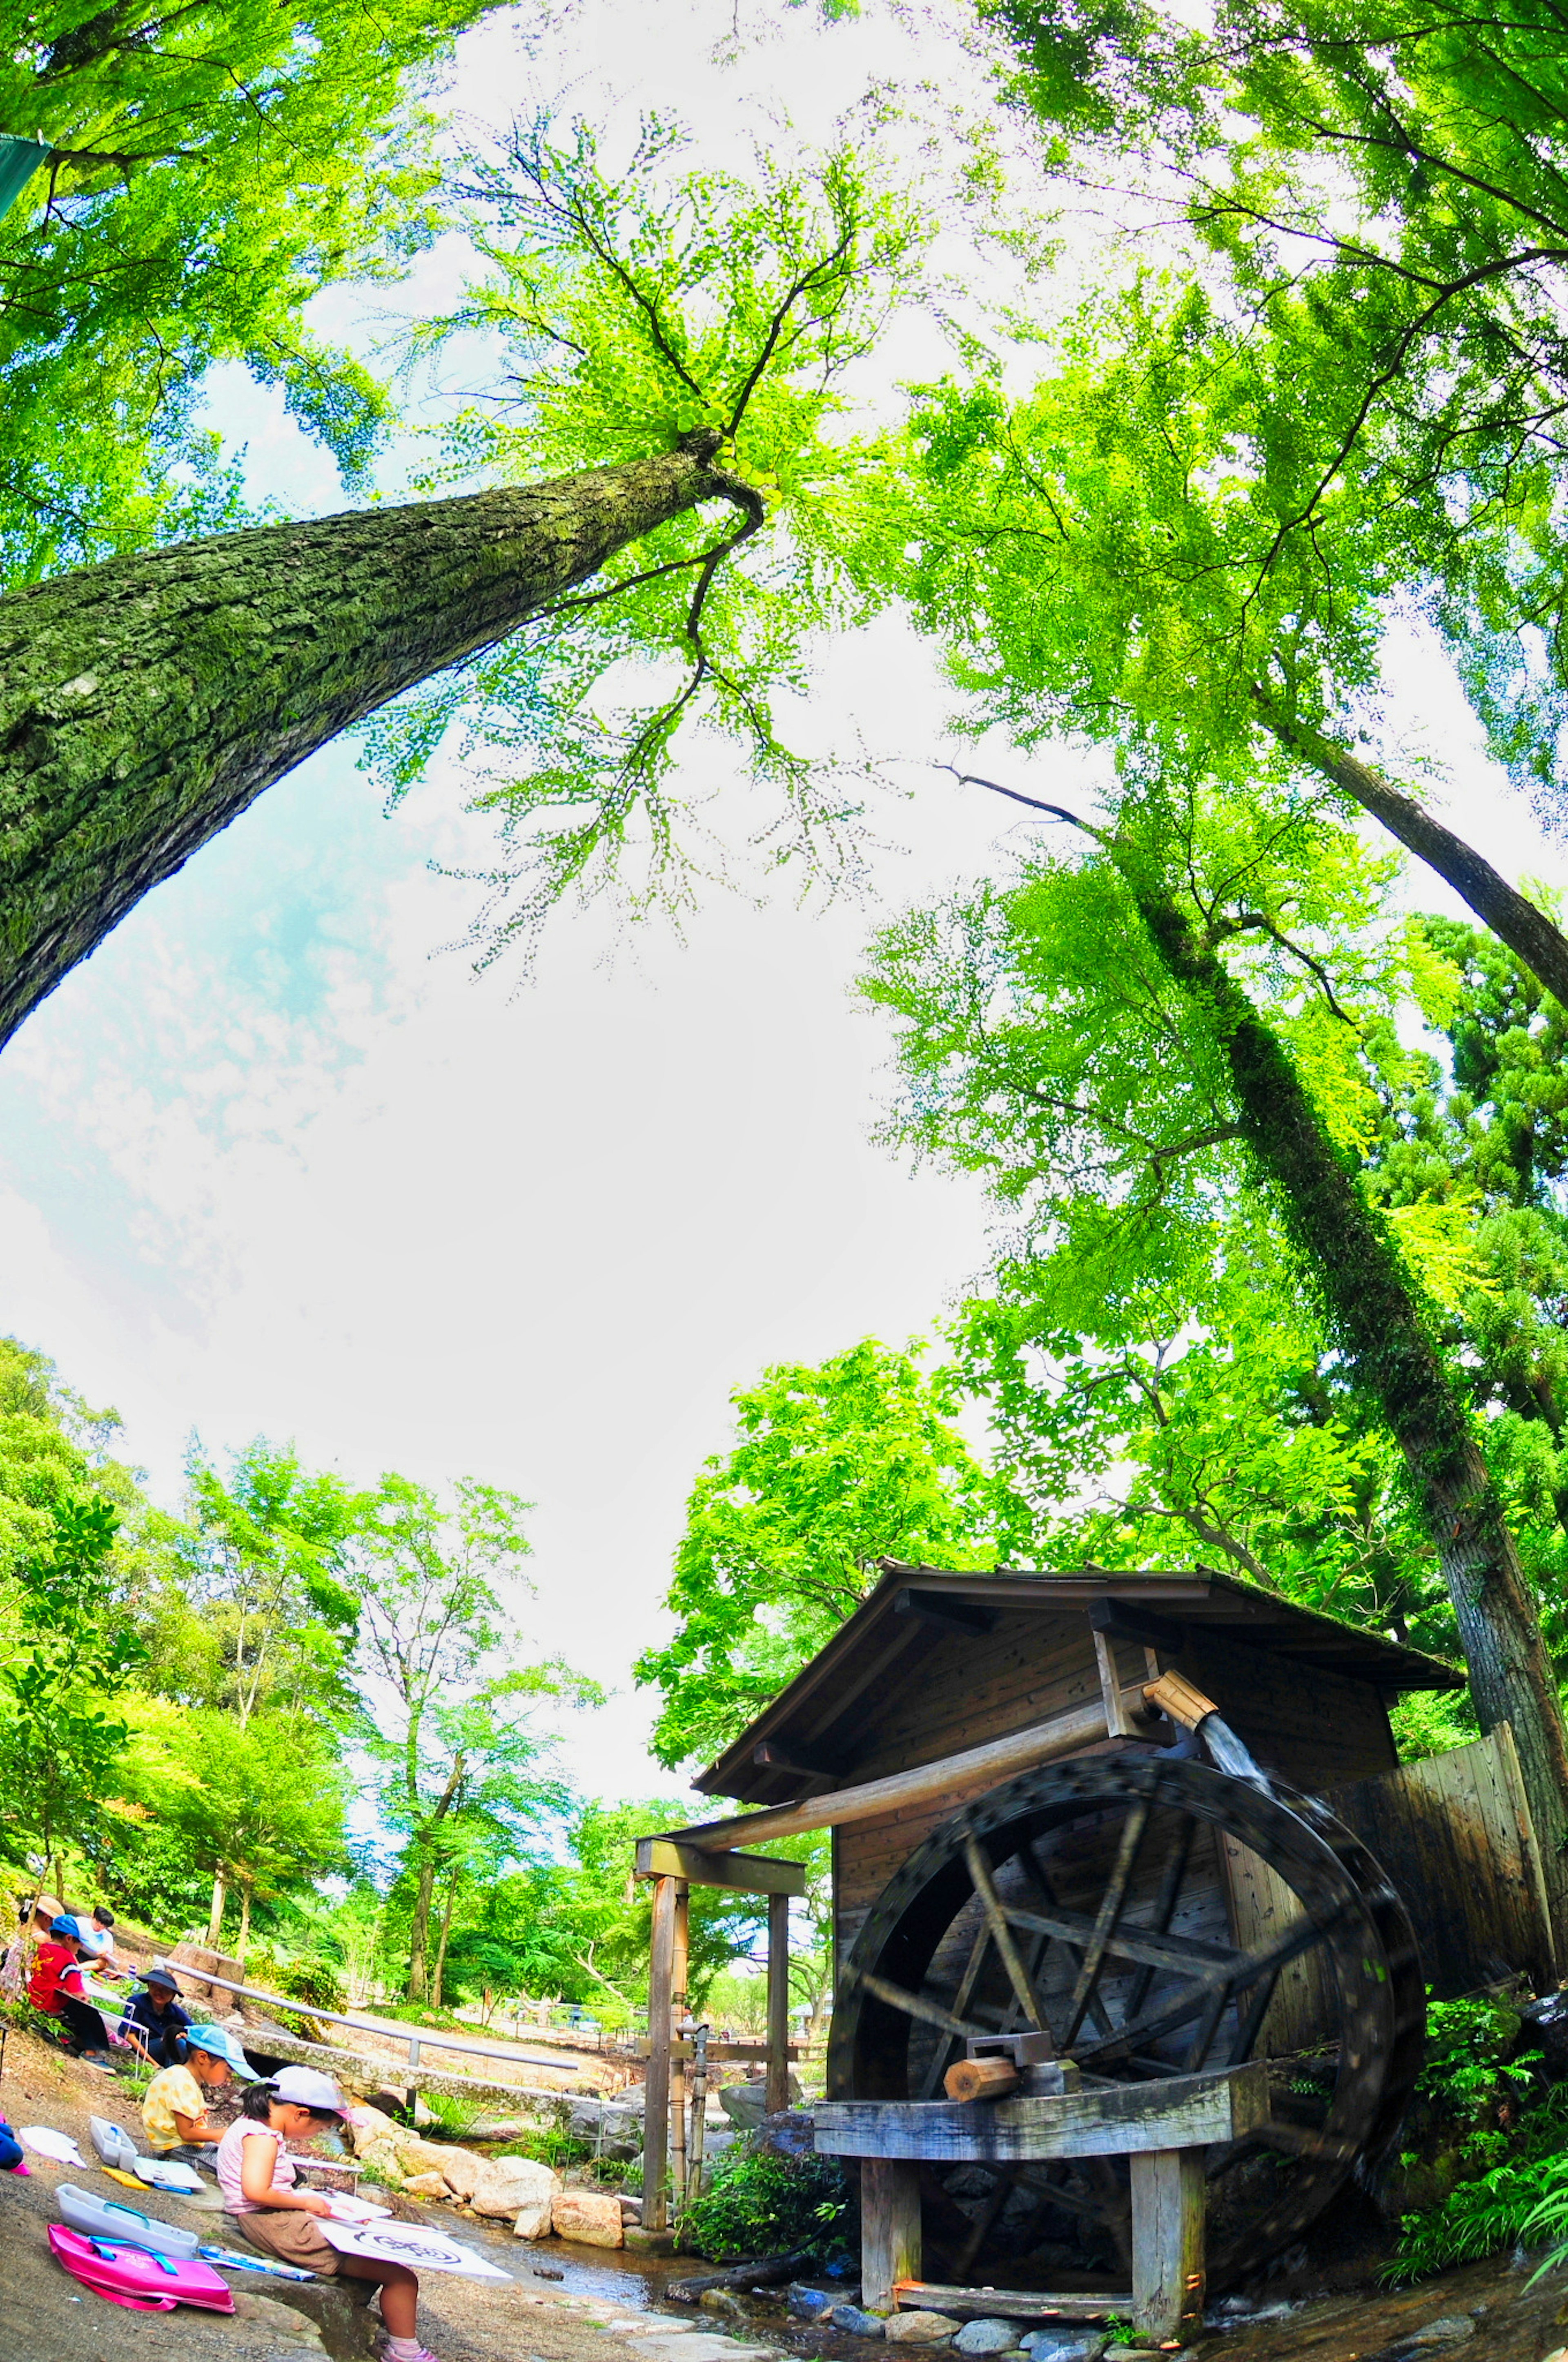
[453, 2115]
[1512, 2132]
[757, 2203]
[550, 2146]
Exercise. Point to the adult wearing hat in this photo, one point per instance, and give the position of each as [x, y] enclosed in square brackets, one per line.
[154, 2021]
[56, 1988]
[258, 2178]
[174, 2104]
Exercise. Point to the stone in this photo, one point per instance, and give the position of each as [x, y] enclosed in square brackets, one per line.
[461, 2171]
[382, 2163]
[425, 2185]
[592, 2217]
[278, 2320]
[416, 2155]
[648, 2243]
[859, 2323]
[745, 2104]
[697, 2347]
[1067, 2344]
[507, 2185]
[549, 2272]
[367, 2127]
[532, 2222]
[809, 2304]
[988, 2337]
[918, 2328]
[1450, 2329]
[724, 2301]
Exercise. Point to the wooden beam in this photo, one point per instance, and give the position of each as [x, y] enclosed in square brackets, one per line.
[778, 2003]
[1125, 1620]
[1007, 2304]
[952, 1615]
[1062, 1734]
[800, 1762]
[890, 2229]
[1114, 2119]
[656, 2114]
[1168, 2242]
[725, 2053]
[747, 1873]
[679, 1963]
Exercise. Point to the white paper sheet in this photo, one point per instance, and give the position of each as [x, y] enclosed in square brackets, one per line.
[49, 2143]
[423, 2250]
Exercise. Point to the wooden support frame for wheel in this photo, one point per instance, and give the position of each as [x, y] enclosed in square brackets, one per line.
[890, 2229]
[1167, 2242]
[777, 2092]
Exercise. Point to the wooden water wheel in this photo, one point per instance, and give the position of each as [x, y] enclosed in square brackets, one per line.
[1153, 1917]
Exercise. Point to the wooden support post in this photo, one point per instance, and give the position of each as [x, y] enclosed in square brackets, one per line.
[656, 2117]
[777, 2093]
[1167, 2242]
[680, 1960]
[890, 2229]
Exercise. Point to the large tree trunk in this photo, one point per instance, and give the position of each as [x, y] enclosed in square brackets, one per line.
[1513, 918]
[419, 1933]
[145, 703]
[1376, 1314]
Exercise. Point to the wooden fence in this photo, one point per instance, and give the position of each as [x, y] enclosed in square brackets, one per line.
[1454, 1835]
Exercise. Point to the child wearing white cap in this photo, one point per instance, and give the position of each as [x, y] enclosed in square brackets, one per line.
[257, 2180]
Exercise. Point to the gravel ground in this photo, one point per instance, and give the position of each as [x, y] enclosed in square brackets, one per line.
[45, 2316]
[600, 2313]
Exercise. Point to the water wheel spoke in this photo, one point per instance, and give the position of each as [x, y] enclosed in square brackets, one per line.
[1001, 1933]
[1207, 2026]
[1246, 1969]
[1044, 2179]
[984, 2221]
[1113, 1903]
[1249, 2022]
[1184, 1954]
[921, 2006]
[1037, 1879]
[1166, 1900]
[942, 2055]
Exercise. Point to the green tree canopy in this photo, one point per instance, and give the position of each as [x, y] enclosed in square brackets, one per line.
[210, 169]
[837, 1464]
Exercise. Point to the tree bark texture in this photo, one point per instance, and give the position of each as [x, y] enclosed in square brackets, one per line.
[419, 1932]
[1359, 1269]
[145, 703]
[1512, 917]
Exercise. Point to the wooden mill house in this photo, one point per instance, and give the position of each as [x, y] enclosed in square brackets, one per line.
[1135, 1910]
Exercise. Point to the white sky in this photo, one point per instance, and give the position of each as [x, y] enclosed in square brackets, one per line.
[271, 1163]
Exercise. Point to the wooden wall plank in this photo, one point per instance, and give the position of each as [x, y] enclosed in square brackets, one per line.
[1454, 1833]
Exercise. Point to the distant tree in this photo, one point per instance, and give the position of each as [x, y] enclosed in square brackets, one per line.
[258, 1804]
[837, 1464]
[445, 1710]
[68, 1659]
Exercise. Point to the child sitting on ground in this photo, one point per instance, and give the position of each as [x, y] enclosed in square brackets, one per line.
[257, 2182]
[56, 1990]
[174, 2105]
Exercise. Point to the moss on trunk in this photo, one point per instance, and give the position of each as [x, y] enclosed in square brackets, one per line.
[1354, 1261]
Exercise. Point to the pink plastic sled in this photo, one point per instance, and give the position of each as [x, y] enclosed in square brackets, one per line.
[136, 2277]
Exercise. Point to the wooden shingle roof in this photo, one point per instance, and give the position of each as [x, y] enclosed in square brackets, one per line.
[864, 1654]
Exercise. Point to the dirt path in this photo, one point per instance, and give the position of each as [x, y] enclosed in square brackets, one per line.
[601, 2312]
[45, 2317]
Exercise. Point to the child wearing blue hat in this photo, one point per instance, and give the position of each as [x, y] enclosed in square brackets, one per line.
[174, 2105]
